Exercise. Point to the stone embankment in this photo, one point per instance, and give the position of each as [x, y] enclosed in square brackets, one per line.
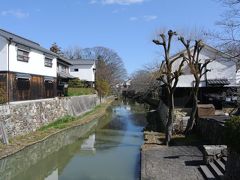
[19, 143]
[24, 117]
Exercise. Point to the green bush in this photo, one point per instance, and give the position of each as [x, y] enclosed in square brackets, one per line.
[75, 83]
[233, 133]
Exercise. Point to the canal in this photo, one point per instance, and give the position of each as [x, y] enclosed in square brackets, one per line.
[104, 149]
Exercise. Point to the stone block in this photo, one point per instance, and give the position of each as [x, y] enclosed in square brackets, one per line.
[213, 152]
[206, 110]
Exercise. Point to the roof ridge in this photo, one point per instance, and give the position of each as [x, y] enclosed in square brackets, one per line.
[83, 59]
[19, 36]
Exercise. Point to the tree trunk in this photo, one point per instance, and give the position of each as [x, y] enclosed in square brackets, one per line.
[100, 97]
[192, 120]
[169, 126]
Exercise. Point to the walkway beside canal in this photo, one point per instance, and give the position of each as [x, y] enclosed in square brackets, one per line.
[180, 162]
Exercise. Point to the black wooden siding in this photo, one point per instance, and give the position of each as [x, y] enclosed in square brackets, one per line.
[22, 89]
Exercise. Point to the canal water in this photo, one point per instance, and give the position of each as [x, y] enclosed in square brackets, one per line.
[105, 149]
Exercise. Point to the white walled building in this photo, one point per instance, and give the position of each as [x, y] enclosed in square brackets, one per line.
[222, 67]
[217, 83]
[84, 70]
[27, 70]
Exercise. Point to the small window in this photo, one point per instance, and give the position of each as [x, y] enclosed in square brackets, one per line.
[22, 55]
[23, 84]
[48, 62]
[75, 70]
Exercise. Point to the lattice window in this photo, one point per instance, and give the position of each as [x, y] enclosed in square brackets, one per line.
[22, 55]
[48, 62]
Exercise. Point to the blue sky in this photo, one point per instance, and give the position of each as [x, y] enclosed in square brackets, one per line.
[126, 26]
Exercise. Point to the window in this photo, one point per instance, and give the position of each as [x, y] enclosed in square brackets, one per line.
[75, 70]
[48, 62]
[23, 84]
[22, 55]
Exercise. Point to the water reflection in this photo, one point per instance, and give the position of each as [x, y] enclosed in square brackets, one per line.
[53, 176]
[107, 148]
[88, 144]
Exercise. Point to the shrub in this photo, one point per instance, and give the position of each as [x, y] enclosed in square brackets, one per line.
[75, 83]
[233, 133]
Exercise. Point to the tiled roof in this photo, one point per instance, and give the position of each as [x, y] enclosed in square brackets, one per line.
[23, 41]
[64, 60]
[65, 75]
[217, 82]
[82, 62]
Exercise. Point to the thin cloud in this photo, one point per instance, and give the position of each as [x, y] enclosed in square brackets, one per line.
[15, 13]
[133, 18]
[119, 2]
[146, 18]
[93, 2]
[150, 18]
[118, 10]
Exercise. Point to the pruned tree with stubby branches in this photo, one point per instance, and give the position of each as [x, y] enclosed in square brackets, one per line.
[169, 76]
[198, 69]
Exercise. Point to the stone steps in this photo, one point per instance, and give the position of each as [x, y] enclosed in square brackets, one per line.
[215, 169]
[220, 165]
[207, 173]
[224, 159]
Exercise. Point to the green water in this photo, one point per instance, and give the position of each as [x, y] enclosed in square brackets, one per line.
[105, 149]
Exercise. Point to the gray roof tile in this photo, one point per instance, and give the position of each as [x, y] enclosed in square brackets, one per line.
[26, 42]
[83, 62]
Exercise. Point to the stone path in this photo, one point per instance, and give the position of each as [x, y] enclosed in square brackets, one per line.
[170, 163]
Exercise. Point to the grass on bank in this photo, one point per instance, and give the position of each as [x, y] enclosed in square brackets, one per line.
[80, 91]
[62, 122]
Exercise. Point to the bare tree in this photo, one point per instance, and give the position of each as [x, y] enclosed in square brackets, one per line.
[112, 70]
[144, 80]
[198, 69]
[169, 77]
[73, 52]
[56, 49]
[228, 40]
[115, 71]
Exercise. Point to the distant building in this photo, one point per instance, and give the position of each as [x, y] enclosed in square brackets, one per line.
[27, 70]
[84, 70]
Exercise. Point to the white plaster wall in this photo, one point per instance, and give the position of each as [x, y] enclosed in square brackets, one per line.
[35, 65]
[85, 72]
[3, 54]
[220, 69]
[238, 77]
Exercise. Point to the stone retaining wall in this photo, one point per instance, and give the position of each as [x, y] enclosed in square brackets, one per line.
[181, 117]
[23, 117]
